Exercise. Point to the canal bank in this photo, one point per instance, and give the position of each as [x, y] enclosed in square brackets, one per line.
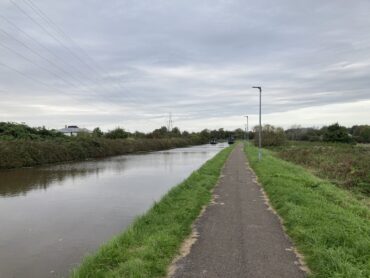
[148, 246]
[27, 153]
[51, 216]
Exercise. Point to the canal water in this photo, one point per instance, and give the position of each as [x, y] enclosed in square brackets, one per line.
[51, 216]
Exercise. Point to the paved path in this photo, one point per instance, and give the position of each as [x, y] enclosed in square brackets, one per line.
[238, 235]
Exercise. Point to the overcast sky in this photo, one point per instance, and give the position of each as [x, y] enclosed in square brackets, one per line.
[130, 63]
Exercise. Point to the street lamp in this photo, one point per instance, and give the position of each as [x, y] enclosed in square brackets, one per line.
[247, 129]
[259, 131]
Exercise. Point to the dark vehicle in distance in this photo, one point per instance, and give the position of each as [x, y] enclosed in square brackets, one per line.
[213, 141]
[231, 140]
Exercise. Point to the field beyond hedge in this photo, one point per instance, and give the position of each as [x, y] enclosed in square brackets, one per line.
[345, 165]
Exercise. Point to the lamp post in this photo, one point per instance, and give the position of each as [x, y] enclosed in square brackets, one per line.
[260, 128]
[247, 129]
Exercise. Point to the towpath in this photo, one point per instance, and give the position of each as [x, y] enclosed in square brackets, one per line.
[239, 236]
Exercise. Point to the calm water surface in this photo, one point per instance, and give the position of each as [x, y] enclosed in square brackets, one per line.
[51, 216]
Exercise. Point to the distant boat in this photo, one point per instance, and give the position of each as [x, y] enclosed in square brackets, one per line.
[213, 142]
[231, 140]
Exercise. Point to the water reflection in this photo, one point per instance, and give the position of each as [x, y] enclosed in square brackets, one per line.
[51, 216]
[17, 182]
[20, 181]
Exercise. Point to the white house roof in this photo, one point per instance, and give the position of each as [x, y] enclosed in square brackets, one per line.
[74, 129]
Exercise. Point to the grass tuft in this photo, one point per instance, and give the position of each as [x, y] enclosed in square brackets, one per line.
[148, 246]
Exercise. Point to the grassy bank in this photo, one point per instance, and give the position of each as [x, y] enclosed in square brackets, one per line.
[346, 165]
[148, 246]
[24, 153]
[327, 224]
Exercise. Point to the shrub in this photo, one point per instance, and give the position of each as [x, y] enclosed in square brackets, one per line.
[337, 133]
[117, 133]
[97, 132]
[361, 133]
[10, 131]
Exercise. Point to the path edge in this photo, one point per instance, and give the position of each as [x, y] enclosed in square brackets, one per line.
[301, 258]
[188, 243]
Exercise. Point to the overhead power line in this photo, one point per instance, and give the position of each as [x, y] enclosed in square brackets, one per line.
[96, 67]
[42, 57]
[35, 64]
[59, 30]
[80, 80]
[40, 82]
[46, 31]
[40, 45]
[52, 30]
[26, 76]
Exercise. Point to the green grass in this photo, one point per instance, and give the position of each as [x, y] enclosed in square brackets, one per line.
[327, 224]
[148, 246]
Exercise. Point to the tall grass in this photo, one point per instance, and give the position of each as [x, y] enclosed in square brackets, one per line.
[24, 153]
[343, 164]
[327, 224]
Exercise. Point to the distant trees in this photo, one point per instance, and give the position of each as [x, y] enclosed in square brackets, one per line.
[205, 135]
[222, 134]
[185, 134]
[331, 133]
[117, 133]
[271, 136]
[361, 133]
[175, 132]
[97, 132]
[159, 133]
[299, 133]
[138, 134]
[239, 133]
[15, 131]
[336, 133]
[163, 132]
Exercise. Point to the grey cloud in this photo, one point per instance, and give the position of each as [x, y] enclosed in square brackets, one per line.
[196, 58]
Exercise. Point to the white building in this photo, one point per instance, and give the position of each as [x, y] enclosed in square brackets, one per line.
[73, 130]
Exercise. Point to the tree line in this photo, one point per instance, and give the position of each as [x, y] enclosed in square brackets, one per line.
[10, 131]
[275, 136]
[271, 135]
[331, 133]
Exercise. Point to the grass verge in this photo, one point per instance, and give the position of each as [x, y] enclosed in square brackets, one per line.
[148, 246]
[327, 224]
